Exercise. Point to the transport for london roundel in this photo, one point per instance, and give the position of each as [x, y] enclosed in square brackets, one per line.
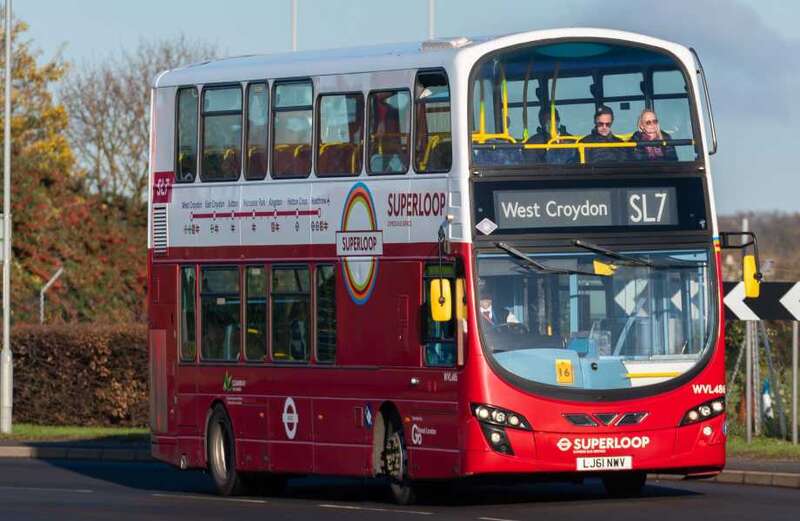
[359, 243]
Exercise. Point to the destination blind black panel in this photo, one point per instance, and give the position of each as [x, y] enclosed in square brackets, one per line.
[518, 207]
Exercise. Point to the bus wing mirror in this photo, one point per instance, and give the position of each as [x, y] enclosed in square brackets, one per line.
[441, 300]
[751, 277]
[751, 274]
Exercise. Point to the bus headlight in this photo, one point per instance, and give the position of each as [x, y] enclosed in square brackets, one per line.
[704, 411]
[500, 417]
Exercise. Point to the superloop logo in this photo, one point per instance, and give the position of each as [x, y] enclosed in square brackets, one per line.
[359, 242]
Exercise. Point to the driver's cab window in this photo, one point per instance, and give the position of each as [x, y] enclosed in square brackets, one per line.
[514, 305]
[438, 338]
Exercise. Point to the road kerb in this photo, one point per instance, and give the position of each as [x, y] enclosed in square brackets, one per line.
[17, 452]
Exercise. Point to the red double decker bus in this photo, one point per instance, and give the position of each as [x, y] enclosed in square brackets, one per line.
[466, 257]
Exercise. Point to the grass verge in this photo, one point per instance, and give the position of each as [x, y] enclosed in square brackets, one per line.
[763, 448]
[29, 432]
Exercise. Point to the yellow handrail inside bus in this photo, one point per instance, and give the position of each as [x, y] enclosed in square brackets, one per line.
[663, 374]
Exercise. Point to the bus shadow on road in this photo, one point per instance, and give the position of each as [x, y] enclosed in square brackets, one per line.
[459, 494]
[156, 477]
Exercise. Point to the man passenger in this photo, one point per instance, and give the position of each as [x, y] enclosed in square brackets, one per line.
[601, 133]
[553, 156]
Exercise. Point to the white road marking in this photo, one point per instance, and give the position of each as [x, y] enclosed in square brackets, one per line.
[496, 519]
[212, 498]
[375, 509]
[45, 489]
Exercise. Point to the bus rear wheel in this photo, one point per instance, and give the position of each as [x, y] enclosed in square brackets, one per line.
[222, 454]
[626, 484]
[395, 463]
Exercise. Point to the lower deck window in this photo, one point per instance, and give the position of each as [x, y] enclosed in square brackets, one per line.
[187, 314]
[255, 345]
[291, 311]
[326, 313]
[221, 318]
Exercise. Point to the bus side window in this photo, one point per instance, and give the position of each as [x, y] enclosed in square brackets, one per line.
[389, 132]
[255, 332]
[222, 133]
[255, 166]
[438, 338]
[186, 146]
[340, 147]
[292, 129]
[187, 314]
[291, 312]
[220, 313]
[326, 313]
[433, 149]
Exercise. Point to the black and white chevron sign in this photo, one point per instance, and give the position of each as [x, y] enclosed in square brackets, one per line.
[777, 301]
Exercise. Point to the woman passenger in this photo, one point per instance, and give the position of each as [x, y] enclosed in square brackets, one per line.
[650, 131]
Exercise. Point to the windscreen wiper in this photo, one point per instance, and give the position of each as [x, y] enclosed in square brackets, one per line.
[538, 266]
[633, 260]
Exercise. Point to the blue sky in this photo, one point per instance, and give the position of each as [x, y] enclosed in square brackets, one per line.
[750, 49]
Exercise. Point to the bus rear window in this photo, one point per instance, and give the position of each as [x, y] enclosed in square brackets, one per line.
[579, 103]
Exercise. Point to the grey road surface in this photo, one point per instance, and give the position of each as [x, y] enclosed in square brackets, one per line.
[66, 490]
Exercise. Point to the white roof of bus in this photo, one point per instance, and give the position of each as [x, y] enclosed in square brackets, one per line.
[435, 53]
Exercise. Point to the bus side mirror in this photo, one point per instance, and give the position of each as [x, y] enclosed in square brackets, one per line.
[751, 277]
[441, 300]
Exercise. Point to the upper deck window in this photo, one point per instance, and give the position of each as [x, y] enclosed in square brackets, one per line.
[389, 132]
[433, 149]
[578, 103]
[291, 129]
[341, 134]
[257, 126]
[222, 133]
[186, 160]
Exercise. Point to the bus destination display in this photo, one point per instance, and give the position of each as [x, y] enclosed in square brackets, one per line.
[577, 208]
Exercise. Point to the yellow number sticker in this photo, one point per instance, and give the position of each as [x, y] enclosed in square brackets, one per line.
[564, 372]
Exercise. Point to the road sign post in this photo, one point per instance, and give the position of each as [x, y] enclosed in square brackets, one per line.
[794, 381]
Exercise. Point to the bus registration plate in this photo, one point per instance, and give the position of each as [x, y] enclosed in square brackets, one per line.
[605, 463]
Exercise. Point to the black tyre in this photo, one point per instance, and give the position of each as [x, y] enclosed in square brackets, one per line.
[625, 484]
[222, 455]
[395, 464]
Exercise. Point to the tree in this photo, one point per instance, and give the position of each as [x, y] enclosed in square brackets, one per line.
[109, 115]
[55, 222]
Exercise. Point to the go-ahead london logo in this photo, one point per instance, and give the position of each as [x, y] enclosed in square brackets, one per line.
[359, 242]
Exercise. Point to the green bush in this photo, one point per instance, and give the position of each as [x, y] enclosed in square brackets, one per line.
[81, 374]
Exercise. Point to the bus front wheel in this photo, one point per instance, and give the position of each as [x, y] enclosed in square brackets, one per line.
[626, 484]
[395, 461]
[222, 454]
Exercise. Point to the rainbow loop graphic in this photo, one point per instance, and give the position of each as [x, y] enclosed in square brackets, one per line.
[359, 273]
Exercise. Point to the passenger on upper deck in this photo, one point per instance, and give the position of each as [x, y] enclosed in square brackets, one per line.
[601, 133]
[649, 130]
[556, 156]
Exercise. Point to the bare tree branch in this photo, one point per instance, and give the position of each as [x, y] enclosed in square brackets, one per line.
[108, 105]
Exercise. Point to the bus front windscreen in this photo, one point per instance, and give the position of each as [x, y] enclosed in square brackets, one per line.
[580, 103]
[584, 321]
